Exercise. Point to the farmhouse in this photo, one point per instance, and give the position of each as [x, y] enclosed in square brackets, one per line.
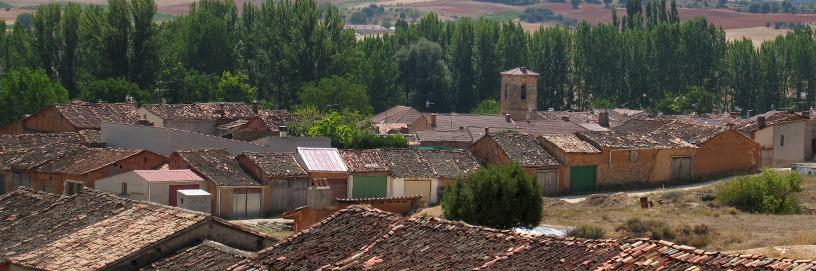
[286, 179]
[235, 194]
[201, 118]
[368, 174]
[504, 147]
[93, 230]
[411, 175]
[784, 138]
[580, 159]
[77, 116]
[159, 186]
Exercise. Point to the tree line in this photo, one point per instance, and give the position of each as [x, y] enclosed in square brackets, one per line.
[289, 54]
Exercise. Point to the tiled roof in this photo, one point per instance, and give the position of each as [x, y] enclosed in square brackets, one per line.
[628, 140]
[668, 132]
[207, 256]
[283, 164]
[433, 245]
[168, 175]
[217, 166]
[233, 124]
[90, 115]
[201, 111]
[361, 161]
[362, 238]
[451, 163]
[771, 118]
[549, 127]
[86, 231]
[276, 118]
[556, 254]
[571, 144]
[407, 163]
[615, 118]
[456, 122]
[397, 114]
[332, 239]
[444, 136]
[519, 71]
[84, 160]
[26, 141]
[321, 159]
[91, 137]
[524, 149]
[31, 158]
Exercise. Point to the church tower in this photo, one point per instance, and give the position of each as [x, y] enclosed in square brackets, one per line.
[518, 93]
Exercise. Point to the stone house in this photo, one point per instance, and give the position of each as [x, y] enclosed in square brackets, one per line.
[235, 194]
[281, 172]
[159, 186]
[78, 116]
[82, 167]
[784, 138]
[579, 158]
[411, 175]
[504, 147]
[201, 118]
[400, 119]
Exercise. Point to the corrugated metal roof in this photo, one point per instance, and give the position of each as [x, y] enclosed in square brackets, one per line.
[169, 175]
[322, 159]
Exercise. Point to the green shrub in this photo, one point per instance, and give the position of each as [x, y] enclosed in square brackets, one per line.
[495, 196]
[770, 192]
[588, 232]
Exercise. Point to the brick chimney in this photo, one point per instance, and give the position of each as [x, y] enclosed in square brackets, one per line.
[507, 118]
[283, 131]
[433, 120]
[487, 130]
[761, 121]
[603, 119]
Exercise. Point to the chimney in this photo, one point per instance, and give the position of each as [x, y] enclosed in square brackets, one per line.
[565, 118]
[320, 197]
[523, 70]
[507, 118]
[487, 130]
[761, 121]
[255, 107]
[283, 131]
[433, 120]
[603, 119]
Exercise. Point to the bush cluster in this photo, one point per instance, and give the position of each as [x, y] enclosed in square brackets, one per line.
[770, 192]
[698, 235]
[495, 196]
[588, 232]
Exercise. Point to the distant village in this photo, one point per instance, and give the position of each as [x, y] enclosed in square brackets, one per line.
[121, 186]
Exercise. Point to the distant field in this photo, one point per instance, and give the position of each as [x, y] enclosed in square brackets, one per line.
[462, 8]
[756, 34]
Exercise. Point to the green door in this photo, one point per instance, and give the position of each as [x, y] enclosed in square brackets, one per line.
[369, 187]
[582, 178]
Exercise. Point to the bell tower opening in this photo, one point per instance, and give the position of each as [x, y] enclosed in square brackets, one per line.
[519, 91]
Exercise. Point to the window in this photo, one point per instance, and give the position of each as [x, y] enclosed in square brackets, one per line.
[782, 140]
[47, 187]
[633, 155]
[505, 91]
[124, 189]
[181, 200]
[523, 92]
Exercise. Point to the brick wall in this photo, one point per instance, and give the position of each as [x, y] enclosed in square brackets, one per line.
[727, 153]
[49, 120]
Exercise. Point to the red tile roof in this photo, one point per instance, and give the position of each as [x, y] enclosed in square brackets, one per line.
[282, 164]
[450, 164]
[276, 118]
[27, 141]
[397, 114]
[362, 238]
[207, 256]
[87, 231]
[571, 144]
[519, 71]
[217, 166]
[524, 149]
[84, 160]
[201, 111]
[407, 163]
[361, 161]
[168, 175]
[90, 115]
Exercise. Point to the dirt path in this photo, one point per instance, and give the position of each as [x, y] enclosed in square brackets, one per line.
[643, 192]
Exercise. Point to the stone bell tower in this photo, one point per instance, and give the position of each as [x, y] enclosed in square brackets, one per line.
[518, 93]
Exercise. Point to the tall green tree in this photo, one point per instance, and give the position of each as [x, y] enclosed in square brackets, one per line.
[117, 39]
[145, 57]
[70, 46]
[48, 36]
[425, 76]
[27, 91]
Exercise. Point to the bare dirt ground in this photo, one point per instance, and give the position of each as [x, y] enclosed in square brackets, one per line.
[789, 236]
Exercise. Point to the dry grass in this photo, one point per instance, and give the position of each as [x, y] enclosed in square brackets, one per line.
[757, 35]
[732, 229]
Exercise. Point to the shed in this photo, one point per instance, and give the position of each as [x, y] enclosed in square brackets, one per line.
[194, 199]
[282, 173]
[368, 174]
[158, 186]
[325, 164]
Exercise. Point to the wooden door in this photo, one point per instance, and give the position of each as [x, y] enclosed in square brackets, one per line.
[547, 182]
[681, 168]
[239, 203]
[369, 187]
[582, 178]
[173, 197]
[253, 201]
